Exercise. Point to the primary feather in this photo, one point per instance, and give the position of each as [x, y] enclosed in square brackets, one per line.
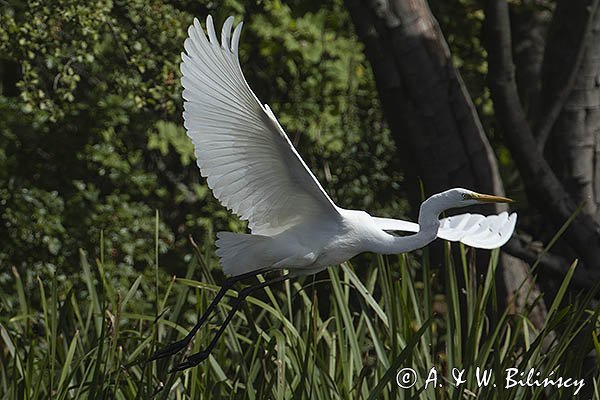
[248, 160]
[474, 230]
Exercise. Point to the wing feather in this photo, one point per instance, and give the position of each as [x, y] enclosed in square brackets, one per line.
[474, 230]
[240, 147]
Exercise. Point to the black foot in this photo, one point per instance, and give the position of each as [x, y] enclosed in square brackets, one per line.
[171, 349]
[192, 361]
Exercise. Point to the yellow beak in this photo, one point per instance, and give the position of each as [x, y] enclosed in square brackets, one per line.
[488, 198]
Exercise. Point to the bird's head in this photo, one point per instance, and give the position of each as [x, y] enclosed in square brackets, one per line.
[454, 198]
[459, 197]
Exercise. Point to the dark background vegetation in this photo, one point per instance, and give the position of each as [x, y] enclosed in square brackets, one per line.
[383, 99]
[92, 135]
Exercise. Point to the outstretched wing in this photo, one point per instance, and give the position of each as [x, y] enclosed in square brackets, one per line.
[248, 160]
[474, 230]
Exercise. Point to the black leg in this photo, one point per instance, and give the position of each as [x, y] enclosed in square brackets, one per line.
[176, 347]
[197, 358]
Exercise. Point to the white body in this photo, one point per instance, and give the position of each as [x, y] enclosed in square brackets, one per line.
[254, 171]
[305, 248]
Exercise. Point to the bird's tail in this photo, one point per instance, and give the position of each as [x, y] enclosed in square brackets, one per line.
[241, 252]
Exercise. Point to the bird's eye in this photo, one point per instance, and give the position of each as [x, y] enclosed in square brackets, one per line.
[465, 196]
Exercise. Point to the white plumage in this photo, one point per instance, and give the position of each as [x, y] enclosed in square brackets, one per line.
[254, 170]
[474, 230]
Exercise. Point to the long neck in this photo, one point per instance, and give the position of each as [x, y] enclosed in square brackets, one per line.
[429, 224]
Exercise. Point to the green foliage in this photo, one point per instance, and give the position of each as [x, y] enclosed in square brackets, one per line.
[169, 134]
[85, 97]
[88, 336]
[92, 136]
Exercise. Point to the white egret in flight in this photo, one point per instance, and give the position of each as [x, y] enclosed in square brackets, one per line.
[254, 170]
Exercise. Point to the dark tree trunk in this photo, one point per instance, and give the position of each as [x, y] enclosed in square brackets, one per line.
[549, 194]
[530, 27]
[433, 121]
[574, 140]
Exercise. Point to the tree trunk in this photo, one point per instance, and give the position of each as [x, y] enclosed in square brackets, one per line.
[574, 141]
[530, 22]
[433, 121]
[544, 189]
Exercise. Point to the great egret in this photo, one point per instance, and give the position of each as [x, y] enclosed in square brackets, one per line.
[254, 170]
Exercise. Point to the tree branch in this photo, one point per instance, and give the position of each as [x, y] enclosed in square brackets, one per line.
[550, 263]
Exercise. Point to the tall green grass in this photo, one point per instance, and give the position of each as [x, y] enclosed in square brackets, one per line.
[87, 336]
